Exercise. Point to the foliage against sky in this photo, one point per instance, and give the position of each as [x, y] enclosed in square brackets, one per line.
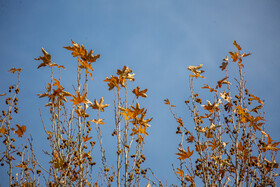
[158, 40]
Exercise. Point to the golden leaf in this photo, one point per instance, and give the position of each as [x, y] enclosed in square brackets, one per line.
[214, 144]
[234, 56]
[86, 138]
[208, 87]
[13, 70]
[237, 46]
[125, 73]
[21, 130]
[195, 70]
[166, 101]
[270, 145]
[183, 154]
[180, 173]
[46, 59]
[79, 50]
[112, 82]
[221, 82]
[78, 99]
[139, 93]
[3, 130]
[99, 121]
[99, 106]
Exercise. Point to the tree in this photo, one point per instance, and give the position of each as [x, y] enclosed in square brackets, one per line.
[229, 138]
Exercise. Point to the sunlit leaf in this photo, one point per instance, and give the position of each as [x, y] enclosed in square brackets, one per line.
[206, 86]
[237, 46]
[99, 106]
[46, 59]
[183, 154]
[78, 99]
[139, 93]
[221, 82]
[86, 138]
[99, 121]
[21, 130]
[126, 73]
[180, 173]
[13, 70]
[195, 70]
[167, 102]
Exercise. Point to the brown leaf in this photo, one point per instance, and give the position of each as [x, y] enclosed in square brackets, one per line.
[21, 130]
[183, 154]
[13, 70]
[99, 106]
[46, 59]
[139, 93]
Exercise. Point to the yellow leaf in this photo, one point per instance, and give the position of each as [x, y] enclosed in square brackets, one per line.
[78, 99]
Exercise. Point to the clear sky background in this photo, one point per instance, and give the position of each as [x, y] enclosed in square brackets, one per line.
[157, 39]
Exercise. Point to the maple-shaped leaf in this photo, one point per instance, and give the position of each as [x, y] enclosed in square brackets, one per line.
[21, 130]
[99, 121]
[190, 139]
[202, 147]
[79, 50]
[79, 99]
[183, 154]
[112, 82]
[99, 106]
[86, 138]
[234, 56]
[270, 145]
[57, 83]
[13, 70]
[46, 59]
[206, 86]
[167, 102]
[212, 107]
[141, 121]
[221, 82]
[195, 70]
[136, 110]
[214, 144]
[125, 73]
[127, 113]
[139, 93]
[254, 122]
[180, 173]
[85, 65]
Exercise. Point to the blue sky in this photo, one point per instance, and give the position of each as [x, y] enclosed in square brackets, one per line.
[157, 39]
